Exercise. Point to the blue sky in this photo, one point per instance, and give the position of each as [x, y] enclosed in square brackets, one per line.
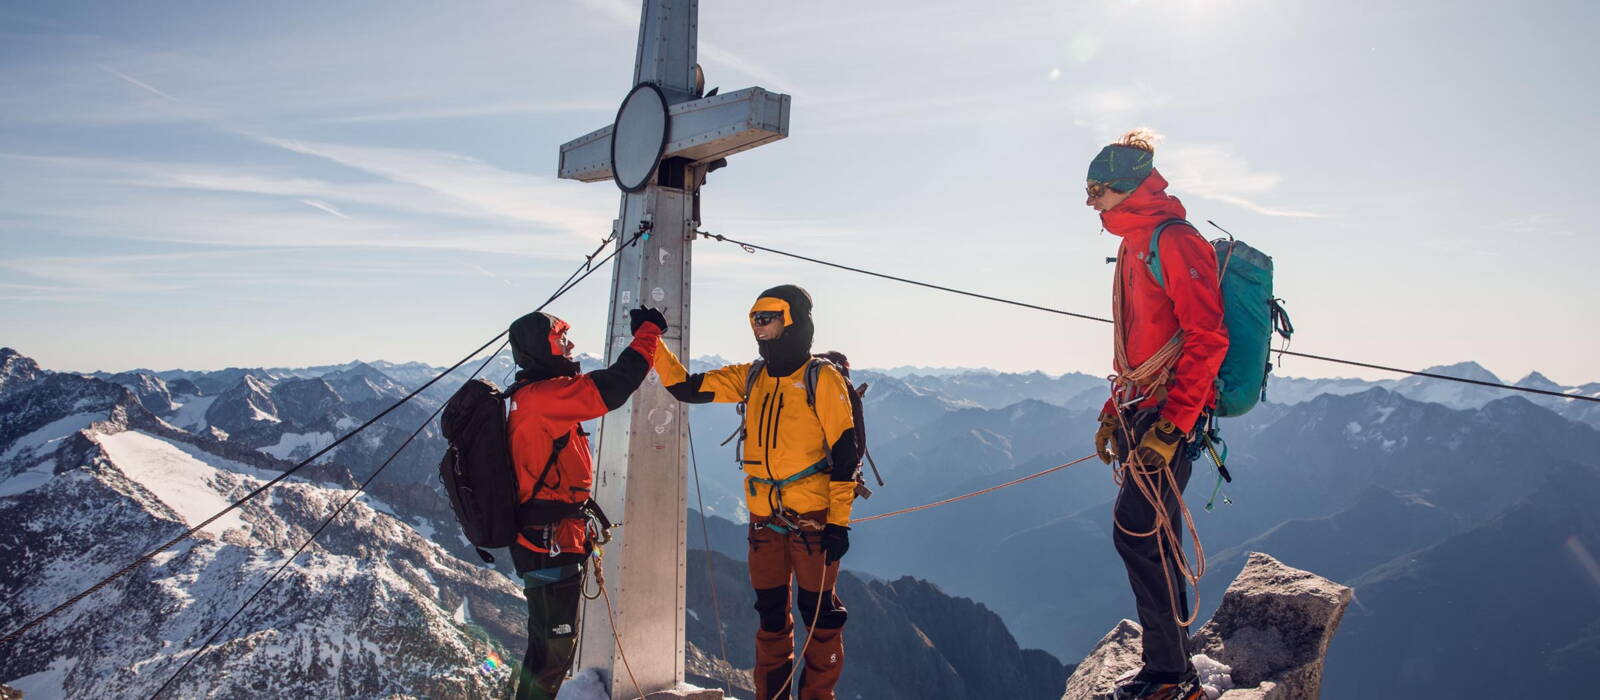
[205, 184]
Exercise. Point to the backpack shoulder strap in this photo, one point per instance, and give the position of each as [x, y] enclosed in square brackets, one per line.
[556, 446]
[751, 377]
[813, 375]
[1153, 261]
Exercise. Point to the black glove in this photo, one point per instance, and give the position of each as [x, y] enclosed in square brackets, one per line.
[835, 542]
[644, 314]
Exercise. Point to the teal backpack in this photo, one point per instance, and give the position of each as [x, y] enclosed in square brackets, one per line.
[1249, 311]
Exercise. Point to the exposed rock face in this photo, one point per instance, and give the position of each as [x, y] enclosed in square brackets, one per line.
[152, 392]
[363, 382]
[1116, 654]
[1272, 628]
[1275, 624]
[365, 612]
[16, 370]
[305, 401]
[245, 408]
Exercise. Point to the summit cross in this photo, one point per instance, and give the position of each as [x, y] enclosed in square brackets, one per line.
[667, 136]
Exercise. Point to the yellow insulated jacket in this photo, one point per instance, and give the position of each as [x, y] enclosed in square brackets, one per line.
[783, 435]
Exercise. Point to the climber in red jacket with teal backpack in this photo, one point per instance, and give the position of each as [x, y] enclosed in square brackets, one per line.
[1170, 341]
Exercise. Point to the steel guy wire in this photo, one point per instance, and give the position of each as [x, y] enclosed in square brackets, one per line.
[750, 247]
[325, 523]
[711, 569]
[588, 267]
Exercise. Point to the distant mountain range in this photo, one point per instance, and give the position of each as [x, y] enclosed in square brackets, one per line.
[376, 607]
[1406, 489]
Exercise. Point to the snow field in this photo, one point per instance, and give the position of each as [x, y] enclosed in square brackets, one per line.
[50, 433]
[182, 482]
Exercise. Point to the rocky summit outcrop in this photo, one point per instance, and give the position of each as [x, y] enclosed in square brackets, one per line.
[16, 370]
[1267, 639]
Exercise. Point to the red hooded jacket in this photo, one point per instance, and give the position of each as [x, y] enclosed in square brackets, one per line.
[1190, 301]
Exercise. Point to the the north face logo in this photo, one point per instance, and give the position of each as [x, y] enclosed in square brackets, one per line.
[561, 629]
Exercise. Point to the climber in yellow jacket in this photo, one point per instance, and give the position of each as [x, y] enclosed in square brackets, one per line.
[800, 458]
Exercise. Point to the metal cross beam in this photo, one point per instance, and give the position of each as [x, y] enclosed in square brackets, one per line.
[666, 137]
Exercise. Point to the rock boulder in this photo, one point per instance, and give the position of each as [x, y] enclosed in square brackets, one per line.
[1272, 630]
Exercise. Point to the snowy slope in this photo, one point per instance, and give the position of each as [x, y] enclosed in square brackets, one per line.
[369, 610]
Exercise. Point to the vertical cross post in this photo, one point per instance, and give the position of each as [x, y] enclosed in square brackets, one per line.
[658, 151]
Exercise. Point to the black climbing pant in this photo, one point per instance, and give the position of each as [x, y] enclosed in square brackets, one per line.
[1166, 656]
[552, 632]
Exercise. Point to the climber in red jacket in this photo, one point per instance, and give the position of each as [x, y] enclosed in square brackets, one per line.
[550, 451]
[1170, 342]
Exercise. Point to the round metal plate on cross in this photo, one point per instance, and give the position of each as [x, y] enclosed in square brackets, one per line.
[639, 137]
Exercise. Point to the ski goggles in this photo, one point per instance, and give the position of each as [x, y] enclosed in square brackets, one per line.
[762, 318]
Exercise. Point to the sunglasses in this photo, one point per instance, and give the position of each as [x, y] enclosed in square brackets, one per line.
[1096, 189]
[762, 318]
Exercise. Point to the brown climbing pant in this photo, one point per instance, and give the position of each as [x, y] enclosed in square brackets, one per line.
[776, 558]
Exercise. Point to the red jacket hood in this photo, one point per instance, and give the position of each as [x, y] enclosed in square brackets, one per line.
[1148, 206]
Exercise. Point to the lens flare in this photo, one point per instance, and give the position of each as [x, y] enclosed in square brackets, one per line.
[491, 664]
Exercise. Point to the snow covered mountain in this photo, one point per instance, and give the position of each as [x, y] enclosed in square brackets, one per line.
[90, 480]
[1291, 390]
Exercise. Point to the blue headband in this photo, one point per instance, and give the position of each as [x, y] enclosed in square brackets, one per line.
[1121, 168]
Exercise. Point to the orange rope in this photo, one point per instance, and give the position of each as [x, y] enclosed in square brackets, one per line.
[991, 489]
[600, 577]
[1151, 483]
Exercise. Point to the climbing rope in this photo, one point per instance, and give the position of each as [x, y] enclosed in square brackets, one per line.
[980, 492]
[587, 268]
[600, 577]
[711, 569]
[1153, 484]
[811, 629]
[751, 248]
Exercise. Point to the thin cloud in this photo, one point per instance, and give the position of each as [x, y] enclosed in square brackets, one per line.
[324, 206]
[1111, 111]
[627, 14]
[487, 109]
[1218, 173]
[512, 196]
[138, 83]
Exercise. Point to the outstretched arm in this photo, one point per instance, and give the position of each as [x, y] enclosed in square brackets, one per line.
[724, 385]
[567, 400]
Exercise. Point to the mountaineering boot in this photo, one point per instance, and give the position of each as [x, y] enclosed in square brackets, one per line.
[1140, 689]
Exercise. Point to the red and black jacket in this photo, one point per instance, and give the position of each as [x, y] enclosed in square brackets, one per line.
[544, 420]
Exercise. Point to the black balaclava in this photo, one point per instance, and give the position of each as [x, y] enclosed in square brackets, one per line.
[789, 352]
[536, 346]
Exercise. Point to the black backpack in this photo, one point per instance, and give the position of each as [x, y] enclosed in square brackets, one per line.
[477, 471]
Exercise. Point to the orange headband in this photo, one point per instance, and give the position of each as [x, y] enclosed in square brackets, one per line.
[774, 304]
